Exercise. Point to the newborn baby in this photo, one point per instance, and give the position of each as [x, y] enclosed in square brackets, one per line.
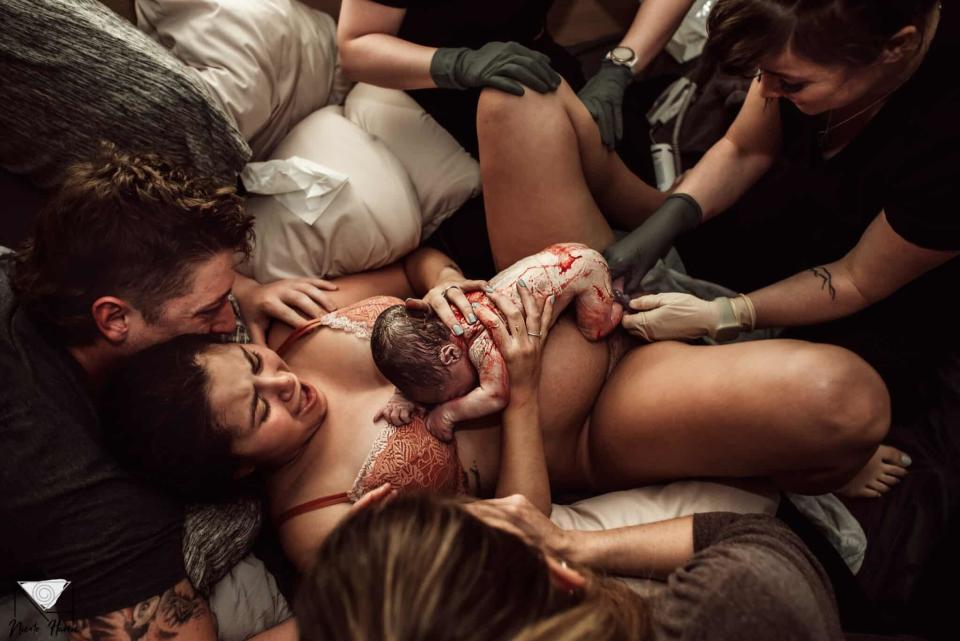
[465, 376]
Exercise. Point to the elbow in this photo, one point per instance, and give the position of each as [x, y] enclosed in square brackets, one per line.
[350, 57]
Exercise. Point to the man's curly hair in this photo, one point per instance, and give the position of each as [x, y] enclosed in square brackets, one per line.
[126, 225]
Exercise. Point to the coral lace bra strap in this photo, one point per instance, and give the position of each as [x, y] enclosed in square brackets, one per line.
[298, 334]
[310, 506]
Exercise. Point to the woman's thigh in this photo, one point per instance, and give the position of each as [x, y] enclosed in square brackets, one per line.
[764, 408]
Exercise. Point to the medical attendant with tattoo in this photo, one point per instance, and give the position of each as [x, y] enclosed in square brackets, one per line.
[856, 101]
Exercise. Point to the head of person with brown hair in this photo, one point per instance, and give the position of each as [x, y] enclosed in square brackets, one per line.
[131, 251]
[420, 355]
[421, 567]
[822, 55]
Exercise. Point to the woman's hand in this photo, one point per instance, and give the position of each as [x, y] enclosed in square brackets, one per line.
[451, 289]
[506, 66]
[674, 316]
[293, 301]
[520, 336]
[518, 516]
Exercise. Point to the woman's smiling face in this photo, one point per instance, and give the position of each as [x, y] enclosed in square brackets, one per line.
[269, 412]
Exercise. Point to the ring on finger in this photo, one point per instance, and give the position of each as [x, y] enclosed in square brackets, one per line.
[448, 288]
[537, 334]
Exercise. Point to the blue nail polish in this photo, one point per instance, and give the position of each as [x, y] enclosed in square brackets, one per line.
[471, 319]
[457, 330]
[474, 305]
[521, 283]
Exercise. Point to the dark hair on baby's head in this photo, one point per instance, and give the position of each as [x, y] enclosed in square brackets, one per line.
[406, 348]
[159, 422]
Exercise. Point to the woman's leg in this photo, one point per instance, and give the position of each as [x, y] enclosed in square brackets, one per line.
[807, 415]
[545, 172]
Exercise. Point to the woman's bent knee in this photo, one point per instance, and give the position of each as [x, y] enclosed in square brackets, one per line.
[847, 398]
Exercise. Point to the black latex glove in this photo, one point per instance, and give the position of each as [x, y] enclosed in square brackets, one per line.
[603, 97]
[506, 66]
[634, 255]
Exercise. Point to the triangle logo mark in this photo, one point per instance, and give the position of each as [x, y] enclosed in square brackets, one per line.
[44, 593]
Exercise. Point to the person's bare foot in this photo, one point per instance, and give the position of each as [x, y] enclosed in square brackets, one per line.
[884, 470]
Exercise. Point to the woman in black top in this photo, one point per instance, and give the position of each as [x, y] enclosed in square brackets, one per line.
[857, 100]
[394, 43]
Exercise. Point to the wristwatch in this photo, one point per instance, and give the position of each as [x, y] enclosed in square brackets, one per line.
[729, 326]
[623, 56]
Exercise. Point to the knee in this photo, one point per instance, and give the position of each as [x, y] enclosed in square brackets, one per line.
[847, 399]
[497, 109]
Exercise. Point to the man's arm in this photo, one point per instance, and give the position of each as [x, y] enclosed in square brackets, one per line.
[178, 613]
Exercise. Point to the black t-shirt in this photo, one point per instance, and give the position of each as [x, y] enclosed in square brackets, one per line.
[67, 510]
[471, 23]
[905, 162]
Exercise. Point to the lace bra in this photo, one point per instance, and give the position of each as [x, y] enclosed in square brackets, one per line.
[407, 457]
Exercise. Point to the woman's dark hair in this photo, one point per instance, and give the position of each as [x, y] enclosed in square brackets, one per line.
[126, 225]
[421, 567]
[828, 32]
[159, 422]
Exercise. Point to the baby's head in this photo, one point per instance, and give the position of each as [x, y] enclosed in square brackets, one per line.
[421, 356]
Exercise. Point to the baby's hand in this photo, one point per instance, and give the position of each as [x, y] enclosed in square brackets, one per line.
[399, 410]
[439, 425]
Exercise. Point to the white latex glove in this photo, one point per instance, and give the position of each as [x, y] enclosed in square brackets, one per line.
[673, 316]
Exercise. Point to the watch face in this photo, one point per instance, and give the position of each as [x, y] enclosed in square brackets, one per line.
[622, 54]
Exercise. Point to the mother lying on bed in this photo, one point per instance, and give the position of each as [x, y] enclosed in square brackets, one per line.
[809, 416]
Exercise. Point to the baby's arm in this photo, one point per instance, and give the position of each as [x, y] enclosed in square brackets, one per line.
[399, 410]
[491, 395]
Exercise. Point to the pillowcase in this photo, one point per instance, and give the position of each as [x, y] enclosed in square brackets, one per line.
[443, 173]
[270, 63]
[374, 218]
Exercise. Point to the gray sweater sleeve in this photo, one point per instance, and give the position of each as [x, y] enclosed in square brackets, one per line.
[750, 579]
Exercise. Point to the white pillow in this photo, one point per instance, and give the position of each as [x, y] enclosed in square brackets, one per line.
[373, 220]
[269, 62]
[444, 174]
[661, 502]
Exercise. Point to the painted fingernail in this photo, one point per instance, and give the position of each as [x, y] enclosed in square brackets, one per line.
[488, 289]
[905, 460]
[521, 283]
[458, 330]
[474, 305]
[552, 299]
[471, 318]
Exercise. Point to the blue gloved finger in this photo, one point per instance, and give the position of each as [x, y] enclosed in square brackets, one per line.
[505, 84]
[525, 76]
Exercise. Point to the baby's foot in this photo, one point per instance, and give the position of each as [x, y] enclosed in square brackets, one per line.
[884, 470]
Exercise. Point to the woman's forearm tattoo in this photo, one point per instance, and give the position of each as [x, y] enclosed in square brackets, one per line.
[827, 281]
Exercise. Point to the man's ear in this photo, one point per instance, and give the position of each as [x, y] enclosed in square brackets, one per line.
[901, 45]
[450, 354]
[112, 316]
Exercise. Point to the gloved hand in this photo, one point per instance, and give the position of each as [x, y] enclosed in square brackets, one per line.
[633, 256]
[603, 96]
[506, 66]
[669, 316]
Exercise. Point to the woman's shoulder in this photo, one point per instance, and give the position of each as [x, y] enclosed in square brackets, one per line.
[356, 318]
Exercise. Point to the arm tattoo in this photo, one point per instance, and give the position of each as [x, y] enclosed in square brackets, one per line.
[159, 617]
[824, 274]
